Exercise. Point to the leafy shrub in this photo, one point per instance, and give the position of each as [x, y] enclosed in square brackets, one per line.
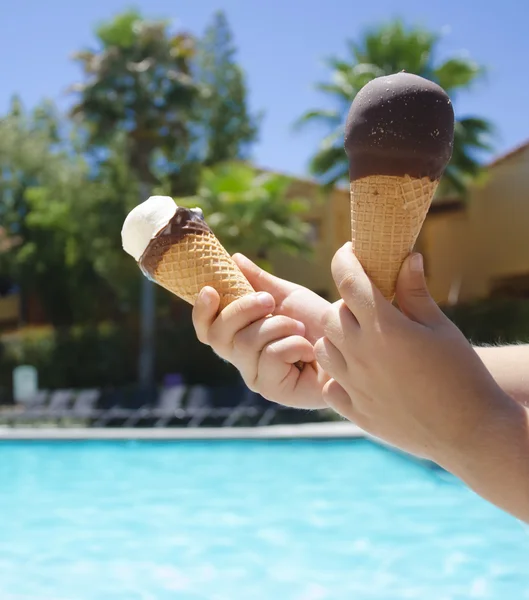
[106, 356]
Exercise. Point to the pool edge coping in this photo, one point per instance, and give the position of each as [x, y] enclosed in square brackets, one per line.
[333, 430]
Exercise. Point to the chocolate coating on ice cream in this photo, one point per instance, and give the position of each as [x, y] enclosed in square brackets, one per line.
[399, 125]
[184, 222]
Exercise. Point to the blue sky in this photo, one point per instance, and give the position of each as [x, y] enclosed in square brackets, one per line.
[281, 46]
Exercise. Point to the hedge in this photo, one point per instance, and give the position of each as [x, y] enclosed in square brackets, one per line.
[106, 355]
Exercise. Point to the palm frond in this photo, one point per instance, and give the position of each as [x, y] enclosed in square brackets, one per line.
[387, 49]
[457, 73]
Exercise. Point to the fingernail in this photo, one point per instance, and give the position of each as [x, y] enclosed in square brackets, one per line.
[300, 327]
[416, 263]
[265, 299]
[242, 259]
[204, 296]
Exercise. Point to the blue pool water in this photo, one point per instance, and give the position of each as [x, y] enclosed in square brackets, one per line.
[249, 521]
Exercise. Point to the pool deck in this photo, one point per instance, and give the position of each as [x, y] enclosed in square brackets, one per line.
[308, 431]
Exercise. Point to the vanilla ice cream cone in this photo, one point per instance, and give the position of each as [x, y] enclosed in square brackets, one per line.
[175, 248]
[187, 257]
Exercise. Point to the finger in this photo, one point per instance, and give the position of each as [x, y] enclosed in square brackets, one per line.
[338, 399]
[277, 364]
[249, 342]
[263, 281]
[236, 316]
[204, 312]
[358, 292]
[413, 296]
[330, 358]
[340, 325]
[289, 350]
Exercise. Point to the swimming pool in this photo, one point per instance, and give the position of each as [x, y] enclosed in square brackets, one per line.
[246, 520]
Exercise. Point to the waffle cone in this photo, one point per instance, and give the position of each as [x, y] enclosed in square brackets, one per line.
[188, 257]
[387, 213]
[195, 261]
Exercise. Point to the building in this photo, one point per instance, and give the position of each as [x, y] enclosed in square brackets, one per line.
[472, 250]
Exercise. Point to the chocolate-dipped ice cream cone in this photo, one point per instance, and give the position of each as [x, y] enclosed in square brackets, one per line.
[398, 138]
[175, 248]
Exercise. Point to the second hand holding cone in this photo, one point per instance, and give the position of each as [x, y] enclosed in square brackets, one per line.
[399, 139]
[175, 248]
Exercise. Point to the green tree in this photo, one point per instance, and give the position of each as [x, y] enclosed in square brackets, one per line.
[251, 211]
[61, 218]
[227, 127]
[384, 50]
[40, 180]
[138, 81]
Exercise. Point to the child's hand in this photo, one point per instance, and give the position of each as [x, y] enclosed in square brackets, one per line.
[291, 300]
[412, 379]
[264, 334]
[408, 377]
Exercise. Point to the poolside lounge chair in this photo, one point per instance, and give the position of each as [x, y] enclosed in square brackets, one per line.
[38, 401]
[168, 406]
[225, 406]
[57, 404]
[198, 405]
[249, 406]
[268, 416]
[84, 406]
[120, 404]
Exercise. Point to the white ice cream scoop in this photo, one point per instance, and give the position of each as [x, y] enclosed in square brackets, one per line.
[145, 221]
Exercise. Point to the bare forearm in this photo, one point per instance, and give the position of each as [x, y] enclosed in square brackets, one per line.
[509, 365]
[495, 464]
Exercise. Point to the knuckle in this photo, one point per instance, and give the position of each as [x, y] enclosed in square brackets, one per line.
[319, 347]
[329, 321]
[215, 337]
[282, 324]
[272, 350]
[244, 342]
[333, 327]
[240, 306]
[420, 291]
[347, 283]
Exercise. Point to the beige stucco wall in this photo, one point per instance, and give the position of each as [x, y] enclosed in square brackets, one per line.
[330, 215]
[443, 244]
[466, 249]
[488, 240]
[499, 216]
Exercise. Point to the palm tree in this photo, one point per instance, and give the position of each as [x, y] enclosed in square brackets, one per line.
[384, 50]
[251, 211]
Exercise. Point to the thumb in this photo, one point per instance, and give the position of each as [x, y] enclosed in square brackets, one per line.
[262, 281]
[412, 293]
